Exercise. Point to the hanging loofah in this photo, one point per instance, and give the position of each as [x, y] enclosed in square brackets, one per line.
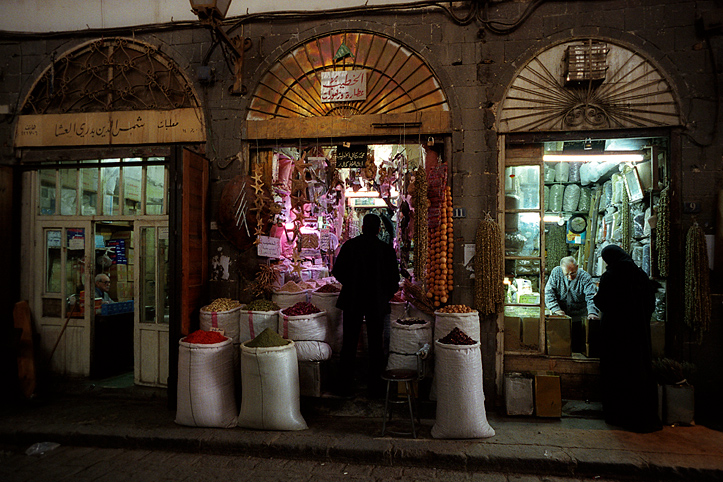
[697, 284]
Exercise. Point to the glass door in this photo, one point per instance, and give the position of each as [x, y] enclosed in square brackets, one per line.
[152, 313]
[63, 303]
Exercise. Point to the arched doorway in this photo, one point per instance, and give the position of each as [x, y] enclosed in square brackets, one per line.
[574, 99]
[99, 132]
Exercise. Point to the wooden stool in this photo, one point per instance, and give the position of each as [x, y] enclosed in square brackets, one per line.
[407, 377]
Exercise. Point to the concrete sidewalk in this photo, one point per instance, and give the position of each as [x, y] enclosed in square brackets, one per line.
[579, 444]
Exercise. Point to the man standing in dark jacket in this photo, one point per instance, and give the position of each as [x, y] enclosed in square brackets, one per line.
[368, 271]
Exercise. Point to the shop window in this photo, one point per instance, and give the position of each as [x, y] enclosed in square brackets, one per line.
[573, 198]
[90, 191]
[53, 250]
[132, 190]
[47, 188]
[110, 187]
[68, 191]
[155, 189]
[154, 275]
[523, 257]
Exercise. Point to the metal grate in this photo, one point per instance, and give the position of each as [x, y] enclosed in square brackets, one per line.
[398, 82]
[115, 74]
[586, 62]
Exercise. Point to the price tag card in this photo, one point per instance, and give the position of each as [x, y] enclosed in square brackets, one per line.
[269, 247]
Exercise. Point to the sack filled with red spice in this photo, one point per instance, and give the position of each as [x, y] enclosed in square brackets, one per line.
[203, 337]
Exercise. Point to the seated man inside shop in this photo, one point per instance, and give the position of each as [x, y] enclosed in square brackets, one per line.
[102, 285]
[570, 291]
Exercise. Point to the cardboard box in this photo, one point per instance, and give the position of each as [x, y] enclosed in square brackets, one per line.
[548, 395]
[519, 394]
[558, 330]
[592, 338]
[513, 334]
[530, 332]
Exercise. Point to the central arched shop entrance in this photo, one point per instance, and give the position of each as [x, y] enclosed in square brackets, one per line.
[298, 122]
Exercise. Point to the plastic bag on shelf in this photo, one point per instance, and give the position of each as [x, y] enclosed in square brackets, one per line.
[562, 172]
[557, 193]
[571, 197]
[585, 197]
[574, 175]
[549, 172]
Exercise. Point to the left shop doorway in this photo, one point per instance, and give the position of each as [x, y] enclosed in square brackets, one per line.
[102, 232]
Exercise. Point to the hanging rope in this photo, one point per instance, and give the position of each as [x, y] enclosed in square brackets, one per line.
[489, 293]
[697, 283]
[625, 221]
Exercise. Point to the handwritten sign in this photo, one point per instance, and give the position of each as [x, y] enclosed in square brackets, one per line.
[106, 128]
[343, 86]
[269, 247]
[351, 157]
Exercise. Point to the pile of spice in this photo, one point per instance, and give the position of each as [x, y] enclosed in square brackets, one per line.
[262, 305]
[329, 288]
[410, 321]
[203, 337]
[305, 286]
[301, 308]
[456, 309]
[290, 287]
[221, 304]
[267, 338]
[457, 337]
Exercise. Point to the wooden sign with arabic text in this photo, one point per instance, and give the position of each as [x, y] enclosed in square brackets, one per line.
[343, 86]
[110, 128]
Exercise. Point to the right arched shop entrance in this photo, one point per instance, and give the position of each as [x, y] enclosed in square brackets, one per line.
[586, 151]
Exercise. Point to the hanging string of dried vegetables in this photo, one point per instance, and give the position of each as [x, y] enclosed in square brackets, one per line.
[662, 232]
[441, 247]
[697, 283]
[625, 243]
[489, 270]
[421, 240]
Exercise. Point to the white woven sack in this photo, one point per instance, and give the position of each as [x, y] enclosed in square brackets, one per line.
[312, 327]
[228, 323]
[252, 323]
[327, 302]
[312, 350]
[223, 320]
[284, 299]
[446, 322]
[414, 312]
[404, 343]
[205, 395]
[270, 388]
[399, 310]
[460, 398]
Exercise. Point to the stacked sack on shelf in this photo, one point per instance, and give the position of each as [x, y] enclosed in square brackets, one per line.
[306, 325]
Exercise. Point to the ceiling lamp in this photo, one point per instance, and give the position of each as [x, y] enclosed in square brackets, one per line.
[609, 156]
[211, 13]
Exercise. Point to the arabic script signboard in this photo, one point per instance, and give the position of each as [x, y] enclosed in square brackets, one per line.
[110, 128]
[351, 157]
[343, 86]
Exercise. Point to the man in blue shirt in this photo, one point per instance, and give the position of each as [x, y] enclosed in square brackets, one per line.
[570, 291]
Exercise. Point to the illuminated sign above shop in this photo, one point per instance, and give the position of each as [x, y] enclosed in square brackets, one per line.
[343, 86]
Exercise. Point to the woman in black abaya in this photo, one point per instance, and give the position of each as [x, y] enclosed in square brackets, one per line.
[626, 297]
